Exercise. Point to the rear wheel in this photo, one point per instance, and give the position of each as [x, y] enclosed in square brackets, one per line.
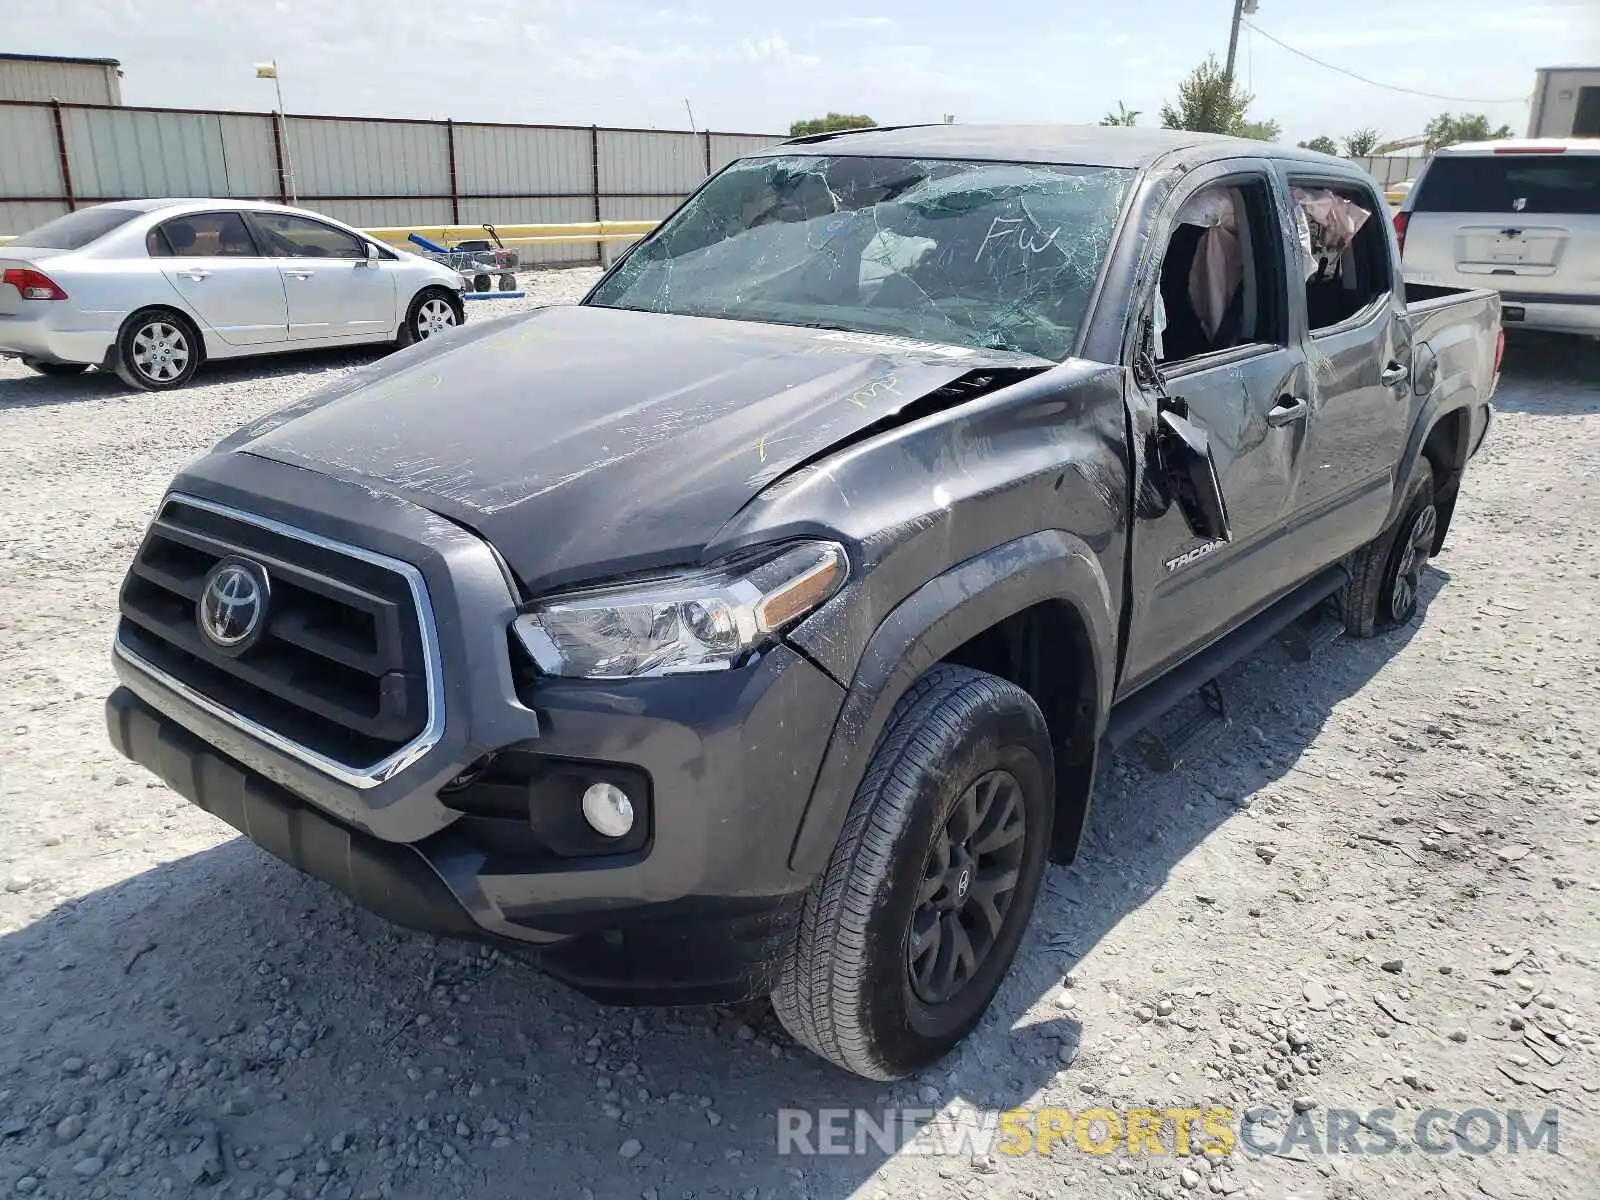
[432, 312]
[909, 931]
[54, 368]
[1386, 574]
[157, 350]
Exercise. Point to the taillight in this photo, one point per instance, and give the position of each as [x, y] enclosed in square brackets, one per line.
[34, 285]
[1499, 352]
[1530, 149]
[1401, 220]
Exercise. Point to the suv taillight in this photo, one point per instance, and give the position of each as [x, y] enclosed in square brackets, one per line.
[1499, 352]
[1401, 220]
[34, 285]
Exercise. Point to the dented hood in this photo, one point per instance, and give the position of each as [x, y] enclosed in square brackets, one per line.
[585, 442]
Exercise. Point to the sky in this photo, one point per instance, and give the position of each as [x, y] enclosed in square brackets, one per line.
[747, 67]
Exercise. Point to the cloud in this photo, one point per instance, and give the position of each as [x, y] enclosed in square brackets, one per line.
[862, 23]
[775, 49]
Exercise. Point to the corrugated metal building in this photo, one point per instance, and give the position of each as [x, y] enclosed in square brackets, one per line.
[70, 80]
[368, 171]
[1566, 103]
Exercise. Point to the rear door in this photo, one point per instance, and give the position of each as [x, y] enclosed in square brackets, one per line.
[333, 291]
[1245, 384]
[1525, 221]
[1348, 304]
[211, 260]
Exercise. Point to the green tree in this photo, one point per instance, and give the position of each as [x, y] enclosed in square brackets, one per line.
[1322, 145]
[1361, 143]
[1210, 101]
[1123, 116]
[829, 124]
[1261, 131]
[1447, 129]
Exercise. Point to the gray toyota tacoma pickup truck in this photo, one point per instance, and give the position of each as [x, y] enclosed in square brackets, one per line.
[753, 627]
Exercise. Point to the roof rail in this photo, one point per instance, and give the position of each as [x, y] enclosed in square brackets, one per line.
[808, 139]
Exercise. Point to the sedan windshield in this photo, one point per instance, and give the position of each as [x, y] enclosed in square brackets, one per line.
[76, 230]
[987, 255]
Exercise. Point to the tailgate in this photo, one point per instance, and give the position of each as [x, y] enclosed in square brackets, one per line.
[1522, 223]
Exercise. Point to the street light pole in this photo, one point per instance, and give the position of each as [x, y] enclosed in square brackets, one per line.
[269, 70]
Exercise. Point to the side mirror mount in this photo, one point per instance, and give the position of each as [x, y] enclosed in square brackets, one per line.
[1191, 472]
[372, 254]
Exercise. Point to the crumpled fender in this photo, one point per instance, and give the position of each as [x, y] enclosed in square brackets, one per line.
[938, 617]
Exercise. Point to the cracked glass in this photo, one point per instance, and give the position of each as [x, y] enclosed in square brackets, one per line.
[999, 256]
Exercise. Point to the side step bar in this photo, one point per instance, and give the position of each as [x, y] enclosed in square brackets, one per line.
[1147, 704]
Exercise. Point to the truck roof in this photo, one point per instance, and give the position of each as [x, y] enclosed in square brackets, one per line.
[1081, 145]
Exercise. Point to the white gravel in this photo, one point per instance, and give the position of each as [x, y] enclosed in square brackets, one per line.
[1373, 892]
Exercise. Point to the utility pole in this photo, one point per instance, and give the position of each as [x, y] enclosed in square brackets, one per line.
[1240, 8]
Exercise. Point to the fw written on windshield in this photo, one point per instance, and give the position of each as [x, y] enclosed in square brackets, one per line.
[998, 256]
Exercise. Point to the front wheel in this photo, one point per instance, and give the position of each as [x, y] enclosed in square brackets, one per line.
[908, 933]
[1386, 574]
[432, 312]
[54, 368]
[157, 350]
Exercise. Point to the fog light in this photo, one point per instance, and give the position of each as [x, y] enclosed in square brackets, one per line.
[607, 808]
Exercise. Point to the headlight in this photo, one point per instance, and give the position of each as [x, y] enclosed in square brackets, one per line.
[699, 621]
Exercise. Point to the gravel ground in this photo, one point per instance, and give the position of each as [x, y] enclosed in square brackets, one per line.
[1375, 890]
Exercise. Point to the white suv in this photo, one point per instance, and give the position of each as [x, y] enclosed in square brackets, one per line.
[1522, 217]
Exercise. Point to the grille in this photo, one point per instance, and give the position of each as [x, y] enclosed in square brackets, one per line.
[339, 667]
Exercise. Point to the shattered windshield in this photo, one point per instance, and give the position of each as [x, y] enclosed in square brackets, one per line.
[989, 255]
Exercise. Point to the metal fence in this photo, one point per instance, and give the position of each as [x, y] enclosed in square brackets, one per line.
[363, 171]
[1392, 168]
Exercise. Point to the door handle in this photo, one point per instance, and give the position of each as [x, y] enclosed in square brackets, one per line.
[300, 274]
[196, 275]
[1287, 410]
[1395, 374]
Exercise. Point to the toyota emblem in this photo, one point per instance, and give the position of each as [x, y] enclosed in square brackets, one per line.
[233, 605]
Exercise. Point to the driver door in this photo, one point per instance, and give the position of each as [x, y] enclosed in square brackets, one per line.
[1244, 380]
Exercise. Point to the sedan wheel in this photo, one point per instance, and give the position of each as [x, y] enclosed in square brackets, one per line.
[157, 350]
[434, 315]
[161, 352]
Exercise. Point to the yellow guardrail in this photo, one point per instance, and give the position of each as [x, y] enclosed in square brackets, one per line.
[534, 235]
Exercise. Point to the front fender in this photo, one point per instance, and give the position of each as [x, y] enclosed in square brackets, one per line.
[934, 620]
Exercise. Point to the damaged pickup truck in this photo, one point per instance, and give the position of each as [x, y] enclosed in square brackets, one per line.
[754, 625]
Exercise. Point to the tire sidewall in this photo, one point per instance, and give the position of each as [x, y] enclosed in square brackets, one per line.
[409, 334]
[1418, 496]
[908, 1032]
[131, 374]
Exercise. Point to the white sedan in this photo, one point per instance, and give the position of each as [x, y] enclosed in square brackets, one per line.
[151, 288]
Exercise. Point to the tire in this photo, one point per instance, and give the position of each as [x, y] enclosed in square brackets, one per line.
[54, 368]
[433, 310]
[1386, 573]
[157, 350]
[483, 282]
[868, 983]
[508, 282]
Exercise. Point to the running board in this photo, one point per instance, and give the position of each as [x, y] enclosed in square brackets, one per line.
[1199, 673]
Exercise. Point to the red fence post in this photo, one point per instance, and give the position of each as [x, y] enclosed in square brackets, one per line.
[594, 168]
[455, 191]
[277, 146]
[66, 165]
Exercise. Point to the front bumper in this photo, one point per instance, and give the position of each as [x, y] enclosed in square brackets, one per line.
[699, 913]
